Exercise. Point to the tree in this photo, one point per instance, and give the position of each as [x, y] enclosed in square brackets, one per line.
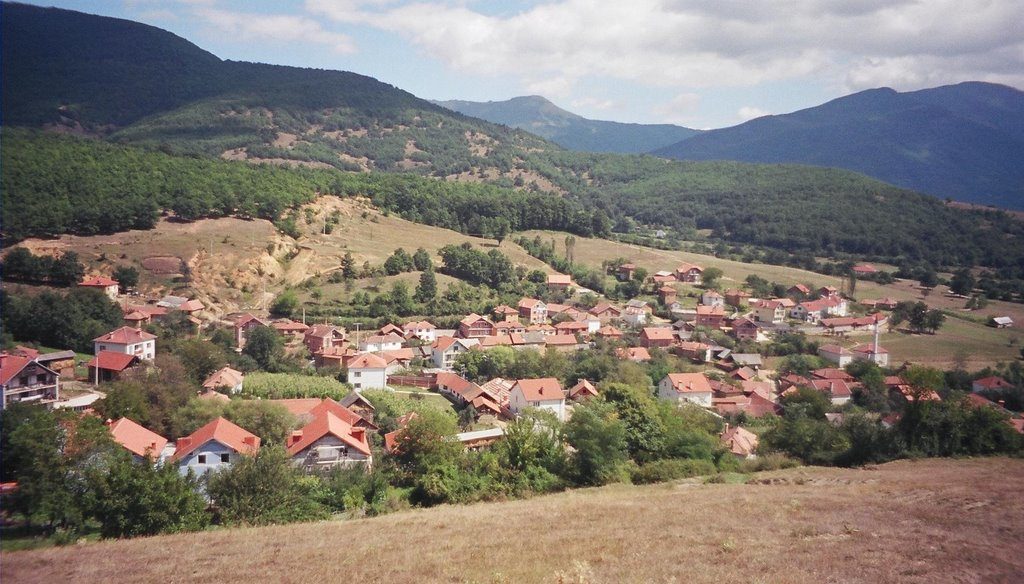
[67, 270]
[263, 489]
[933, 320]
[710, 277]
[962, 282]
[421, 260]
[600, 443]
[500, 229]
[272, 422]
[426, 290]
[645, 434]
[348, 266]
[285, 303]
[127, 277]
[131, 498]
[570, 249]
[265, 346]
[401, 301]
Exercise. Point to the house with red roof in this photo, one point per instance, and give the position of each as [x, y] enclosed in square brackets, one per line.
[421, 329]
[446, 349]
[744, 329]
[323, 337]
[216, 445]
[368, 371]
[773, 310]
[533, 311]
[289, 328]
[990, 383]
[504, 312]
[667, 294]
[872, 352]
[106, 285]
[690, 273]
[736, 298]
[559, 282]
[837, 354]
[139, 441]
[377, 343]
[652, 336]
[544, 393]
[609, 332]
[686, 387]
[109, 366]
[798, 291]
[243, 325]
[582, 390]
[606, 312]
[739, 441]
[839, 391]
[710, 316]
[626, 271]
[127, 340]
[23, 379]
[634, 354]
[474, 326]
[327, 442]
[225, 378]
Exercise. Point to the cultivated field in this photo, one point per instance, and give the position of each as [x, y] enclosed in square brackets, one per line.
[909, 522]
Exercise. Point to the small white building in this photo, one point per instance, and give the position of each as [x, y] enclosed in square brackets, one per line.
[368, 371]
[107, 285]
[422, 330]
[377, 343]
[544, 393]
[712, 298]
[872, 352]
[129, 341]
[216, 445]
[841, 356]
[689, 387]
[447, 349]
[225, 378]
[533, 310]
[635, 316]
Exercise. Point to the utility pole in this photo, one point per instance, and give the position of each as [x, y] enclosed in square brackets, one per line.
[357, 324]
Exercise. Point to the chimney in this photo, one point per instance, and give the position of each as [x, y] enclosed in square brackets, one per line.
[250, 441]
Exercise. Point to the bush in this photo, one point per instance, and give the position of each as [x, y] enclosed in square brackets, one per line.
[671, 469]
[771, 461]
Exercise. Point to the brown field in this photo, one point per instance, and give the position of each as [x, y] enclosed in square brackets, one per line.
[913, 522]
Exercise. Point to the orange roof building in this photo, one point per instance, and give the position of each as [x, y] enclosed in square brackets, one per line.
[138, 440]
[216, 445]
[329, 441]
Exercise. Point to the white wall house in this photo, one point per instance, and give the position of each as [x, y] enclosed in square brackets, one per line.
[377, 343]
[368, 371]
[688, 387]
[129, 341]
[327, 442]
[841, 356]
[447, 349]
[422, 330]
[216, 445]
[544, 393]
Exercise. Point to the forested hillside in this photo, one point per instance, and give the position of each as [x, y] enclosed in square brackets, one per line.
[539, 116]
[961, 141]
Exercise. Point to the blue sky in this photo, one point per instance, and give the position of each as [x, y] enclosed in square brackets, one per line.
[702, 64]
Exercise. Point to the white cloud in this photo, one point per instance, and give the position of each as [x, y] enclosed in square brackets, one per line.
[693, 44]
[596, 103]
[749, 112]
[274, 27]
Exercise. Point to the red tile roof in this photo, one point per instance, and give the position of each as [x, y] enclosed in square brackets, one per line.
[11, 365]
[560, 279]
[582, 388]
[992, 382]
[368, 361]
[223, 431]
[98, 282]
[633, 353]
[136, 439]
[322, 425]
[112, 361]
[739, 441]
[125, 335]
[541, 389]
[658, 333]
[689, 382]
[224, 377]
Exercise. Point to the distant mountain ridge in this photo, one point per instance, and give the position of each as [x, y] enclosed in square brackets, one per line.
[963, 141]
[539, 116]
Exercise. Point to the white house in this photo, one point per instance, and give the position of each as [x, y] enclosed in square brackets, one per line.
[376, 343]
[104, 284]
[533, 310]
[841, 356]
[773, 311]
[368, 371]
[444, 352]
[545, 393]
[872, 352]
[129, 341]
[225, 378]
[712, 298]
[422, 330]
[216, 445]
[691, 387]
[635, 316]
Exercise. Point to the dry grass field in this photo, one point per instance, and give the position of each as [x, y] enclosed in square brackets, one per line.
[910, 522]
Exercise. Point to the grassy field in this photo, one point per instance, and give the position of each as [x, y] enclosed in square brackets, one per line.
[910, 522]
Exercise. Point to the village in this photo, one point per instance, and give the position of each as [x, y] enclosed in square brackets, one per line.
[711, 357]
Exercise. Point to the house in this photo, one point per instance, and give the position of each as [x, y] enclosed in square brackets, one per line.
[453, 385]
[368, 371]
[609, 332]
[243, 325]
[872, 352]
[475, 326]
[336, 356]
[695, 351]
[1002, 321]
[710, 316]
[689, 387]
[23, 379]
[689, 273]
[739, 441]
[657, 337]
[328, 442]
[736, 298]
[635, 316]
[543, 329]
[216, 445]
[744, 329]
[798, 291]
[839, 355]
[422, 330]
[480, 439]
[844, 324]
[140, 442]
[634, 354]
[378, 343]
[446, 349]
[772, 311]
[582, 390]
[667, 295]
[826, 291]
[563, 342]
[505, 312]
[129, 341]
[559, 282]
[606, 312]
[211, 395]
[840, 391]
[110, 366]
[990, 384]
[289, 328]
[572, 327]
[664, 277]
[499, 388]
[180, 303]
[626, 271]
[752, 360]
[103, 284]
[393, 440]
[712, 298]
[544, 393]
[63, 362]
[864, 269]
[322, 337]
[225, 378]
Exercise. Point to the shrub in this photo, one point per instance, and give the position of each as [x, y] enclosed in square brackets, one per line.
[671, 469]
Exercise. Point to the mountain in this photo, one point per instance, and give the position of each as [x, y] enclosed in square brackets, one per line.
[962, 141]
[543, 118]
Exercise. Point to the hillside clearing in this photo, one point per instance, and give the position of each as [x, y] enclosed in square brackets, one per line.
[923, 521]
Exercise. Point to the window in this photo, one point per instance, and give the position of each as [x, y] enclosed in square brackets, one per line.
[202, 459]
[225, 458]
[357, 374]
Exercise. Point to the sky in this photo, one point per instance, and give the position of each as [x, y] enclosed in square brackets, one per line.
[701, 64]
